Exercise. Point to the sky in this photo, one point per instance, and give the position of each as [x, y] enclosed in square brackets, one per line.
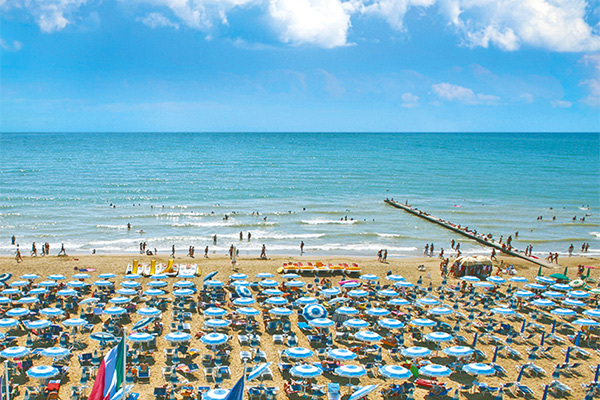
[299, 65]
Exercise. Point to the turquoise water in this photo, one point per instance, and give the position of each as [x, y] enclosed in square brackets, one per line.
[177, 187]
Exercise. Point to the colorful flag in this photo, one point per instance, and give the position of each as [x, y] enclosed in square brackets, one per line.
[109, 378]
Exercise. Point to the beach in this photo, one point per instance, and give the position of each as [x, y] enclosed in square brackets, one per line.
[406, 267]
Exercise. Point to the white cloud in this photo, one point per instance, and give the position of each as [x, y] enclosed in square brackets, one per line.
[50, 15]
[593, 84]
[321, 22]
[157, 20]
[450, 92]
[557, 25]
[561, 104]
[409, 100]
[14, 46]
[526, 97]
[393, 11]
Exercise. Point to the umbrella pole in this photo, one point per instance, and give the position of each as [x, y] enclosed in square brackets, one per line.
[7, 382]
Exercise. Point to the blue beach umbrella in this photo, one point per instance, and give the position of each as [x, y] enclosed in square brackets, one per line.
[552, 294]
[216, 394]
[543, 303]
[87, 276]
[240, 283]
[217, 323]
[369, 277]
[126, 292]
[140, 337]
[306, 371]
[214, 283]
[114, 311]
[336, 300]
[157, 284]
[563, 287]
[290, 275]
[178, 337]
[415, 352]
[17, 312]
[427, 301]
[42, 372]
[458, 351]
[573, 303]
[517, 279]
[101, 283]
[243, 291]
[11, 291]
[183, 292]
[390, 323]
[592, 313]
[469, 278]
[264, 275]
[330, 292]
[350, 285]
[15, 352]
[363, 392]
[440, 311]
[246, 301]
[367, 336]
[76, 284]
[398, 302]
[238, 276]
[258, 371]
[404, 284]
[341, 354]
[388, 293]
[149, 312]
[214, 338]
[439, 337]
[479, 369]
[102, 336]
[321, 323]
[55, 352]
[154, 292]
[485, 285]
[276, 301]
[39, 324]
[210, 275]
[351, 371]
[578, 294]
[586, 322]
[563, 312]
[30, 277]
[273, 292]
[56, 277]
[28, 300]
[294, 283]
[394, 372]
[159, 276]
[306, 300]
[67, 292]
[524, 294]
[8, 323]
[545, 280]
[268, 283]
[248, 311]
[48, 284]
[215, 312]
[314, 311]
[107, 275]
[74, 322]
[503, 311]
[346, 311]
[283, 311]
[435, 370]
[423, 322]
[130, 284]
[535, 286]
[496, 279]
[394, 278]
[358, 293]
[298, 352]
[37, 291]
[119, 300]
[377, 312]
[355, 323]
[89, 300]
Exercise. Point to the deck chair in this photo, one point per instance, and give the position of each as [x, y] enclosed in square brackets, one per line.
[160, 392]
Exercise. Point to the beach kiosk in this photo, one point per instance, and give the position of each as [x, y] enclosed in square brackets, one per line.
[480, 266]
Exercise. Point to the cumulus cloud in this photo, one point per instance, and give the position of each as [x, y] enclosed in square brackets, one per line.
[409, 100]
[50, 15]
[157, 20]
[15, 45]
[561, 104]
[450, 92]
[393, 11]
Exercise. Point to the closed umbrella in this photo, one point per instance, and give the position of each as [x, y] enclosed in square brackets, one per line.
[362, 392]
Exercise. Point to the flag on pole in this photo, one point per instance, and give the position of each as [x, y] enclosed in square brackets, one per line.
[110, 377]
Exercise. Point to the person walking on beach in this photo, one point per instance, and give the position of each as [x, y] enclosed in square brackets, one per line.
[231, 251]
[379, 255]
[301, 248]
[249, 236]
[431, 249]
[241, 236]
[13, 239]
[263, 253]
[571, 250]
[47, 248]
[18, 255]
[426, 252]
[384, 257]
[206, 252]
[173, 251]
[215, 240]
[62, 251]
[33, 250]
[441, 256]
[493, 256]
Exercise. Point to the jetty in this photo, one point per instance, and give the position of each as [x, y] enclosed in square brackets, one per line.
[470, 234]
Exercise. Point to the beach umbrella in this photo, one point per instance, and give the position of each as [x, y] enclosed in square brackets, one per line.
[178, 337]
[377, 312]
[578, 294]
[346, 311]
[404, 284]
[107, 275]
[28, 300]
[563, 287]
[15, 352]
[294, 283]
[48, 284]
[503, 311]
[273, 292]
[183, 292]
[281, 311]
[89, 300]
[8, 323]
[349, 284]
[277, 301]
[17, 312]
[249, 311]
[390, 323]
[458, 351]
[369, 277]
[573, 303]
[535, 286]
[543, 303]
[321, 323]
[213, 283]
[469, 278]
[35, 292]
[119, 300]
[149, 312]
[422, 322]
[440, 311]
[214, 338]
[387, 293]
[517, 279]
[298, 352]
[592, 313]
[246, 301]
[435, 370]
[240, 283]
[545, 280]
[76, 284]
[67, 292]
[290, 275]
[74, 322]
[216, 394]
[87, 276]
[341, 354]
[586, 322]
[264, 275]
[157, 284]
[217, 323]
[415, 352]
[314, 311]
[427, 301]
[479, 369]
[350, 371]
[552, 294]
[563, 312]
[130, 284]
[159, 276]
[103, 283]
[306, 371]
[11, 291]
[243, 291]
[30, 277]
[102, 336]
[306, 300]
[330, 292]
[358, 293]
[39, 324]
[394, 372]
[367, 336]
[362, 392]
[258, 371]
[140, 337]
[42, 372]
[114, 311]
[268, 283]
[577, 283]
[495, 279]
[485, 285]
[215, 312]
[56, 277]
[336, 300]
[55, 352]
[394, 278]
[238, 276]
[439, 337]
[210, 275]
[398, 302]
[524, 294]
[355, 323]
[126, 292]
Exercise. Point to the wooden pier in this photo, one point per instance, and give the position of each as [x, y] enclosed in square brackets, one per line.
[468, 234]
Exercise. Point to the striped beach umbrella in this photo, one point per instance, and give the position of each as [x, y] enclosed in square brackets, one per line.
[277, 301]
[458, 351]
[15, 352]
[592, 313]
[543, 303]
[563, 287]
[102, 283]
[358, 293]
[55, 352]
[545, 280]
[216, 394]
[127, 292]
[84, 276]
[496, 279]
[247, 301]
[552, 294]
[157, 284]
[30, 277]
[76, 284]
[149, 312]
[130, 284]
[273, 292]
[8, 323]
[517, 279]
[243, 291]
[183, 292]
[154, 292]
[367, 336]
[355, 323]
[439, 337]
[503, 311]
[215, 312]
[298, 352]
[39, 324]
[578, 294]
[563, 312]
[119, 300]
[390, 323]
[42, 372]
[346, 310]
[306, 300]
[268, 283]
[369, 277]
[586, 322]
[398, 302]
[140, 337]
[435, 370]
[404, 284]
[240, 283]
[114, 311]
[217, 323]
[283, 311]
[394, 278]
[479, 369]
[214, 283]
[248, 311]
[178, 337]
[394, 372]
[363, 392]
[74, 322]
[330, 292]
[262, 275]
[422, 322]
[214, 338]
[305, 371]
[294, 283]
[89, 300]
[573, 303]
[37, 291]
[17, 312]
[321, 323]
[341, 354]
[377, 312]
[107, 275]
[351, 371]
[28, 300]
[415, 352]
[427, 301]
[238, 276]
[440, 311]
[314, 311]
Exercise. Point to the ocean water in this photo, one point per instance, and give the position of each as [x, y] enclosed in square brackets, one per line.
[325, 189]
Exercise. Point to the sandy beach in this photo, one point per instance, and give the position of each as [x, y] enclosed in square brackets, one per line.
[117, 264]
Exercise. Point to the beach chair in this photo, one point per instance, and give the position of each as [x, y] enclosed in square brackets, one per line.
[160, 393]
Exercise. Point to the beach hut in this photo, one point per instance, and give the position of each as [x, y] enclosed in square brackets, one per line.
[480, 266]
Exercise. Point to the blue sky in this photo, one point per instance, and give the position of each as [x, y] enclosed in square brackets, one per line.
[300, 65]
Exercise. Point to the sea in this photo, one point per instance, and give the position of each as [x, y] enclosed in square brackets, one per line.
[326, 190]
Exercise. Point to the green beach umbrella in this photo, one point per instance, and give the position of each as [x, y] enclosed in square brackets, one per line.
[559, 276]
